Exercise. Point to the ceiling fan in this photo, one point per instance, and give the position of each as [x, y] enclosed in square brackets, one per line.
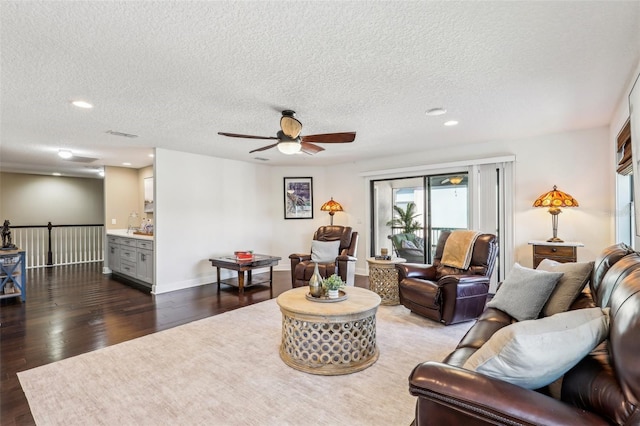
[290, 141]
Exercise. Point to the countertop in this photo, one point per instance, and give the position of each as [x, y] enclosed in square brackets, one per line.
[128, 234]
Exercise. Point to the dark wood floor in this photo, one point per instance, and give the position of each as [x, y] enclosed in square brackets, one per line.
[71, 310]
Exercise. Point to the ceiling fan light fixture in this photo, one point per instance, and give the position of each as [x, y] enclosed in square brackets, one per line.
[289, 148]
[290, 125]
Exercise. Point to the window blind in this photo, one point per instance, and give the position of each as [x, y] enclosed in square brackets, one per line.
[624, 150]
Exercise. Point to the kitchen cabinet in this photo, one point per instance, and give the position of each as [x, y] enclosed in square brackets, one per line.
[131, 259]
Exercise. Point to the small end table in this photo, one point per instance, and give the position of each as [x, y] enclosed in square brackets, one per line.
[383, 279]
[560, 252]
[242, 265]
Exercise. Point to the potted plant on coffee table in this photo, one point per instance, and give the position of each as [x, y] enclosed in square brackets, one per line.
[333, 284]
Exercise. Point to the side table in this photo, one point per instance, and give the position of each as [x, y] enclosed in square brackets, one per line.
[383, 279]
[13, 274]
[560, 252]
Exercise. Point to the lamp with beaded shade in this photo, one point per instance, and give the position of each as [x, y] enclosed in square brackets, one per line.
[555, 199]
[332, 207]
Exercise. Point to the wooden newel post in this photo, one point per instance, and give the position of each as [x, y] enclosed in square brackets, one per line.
[49, 253]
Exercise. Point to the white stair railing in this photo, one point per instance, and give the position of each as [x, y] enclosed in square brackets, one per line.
[49, 245]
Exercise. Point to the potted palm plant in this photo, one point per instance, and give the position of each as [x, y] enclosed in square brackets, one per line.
[333, 284]
[406, 218]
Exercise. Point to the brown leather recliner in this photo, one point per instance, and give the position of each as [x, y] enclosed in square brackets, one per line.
[344, 265]
[447, 294]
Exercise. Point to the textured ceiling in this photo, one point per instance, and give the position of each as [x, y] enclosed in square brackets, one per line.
[176, 73]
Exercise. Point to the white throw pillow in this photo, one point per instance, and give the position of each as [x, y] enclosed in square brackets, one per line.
[534, 353]
[524, 292]
[324, 251]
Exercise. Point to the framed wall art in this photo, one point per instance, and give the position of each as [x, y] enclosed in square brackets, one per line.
[298, 198]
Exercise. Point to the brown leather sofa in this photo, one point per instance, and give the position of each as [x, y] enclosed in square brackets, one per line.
[344, 265]
[447, 294]
[603, 389]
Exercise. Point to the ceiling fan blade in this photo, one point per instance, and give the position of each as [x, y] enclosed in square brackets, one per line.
[290, 126]
[330, 137]
[237, 135]
[264, 148]
[309, 148]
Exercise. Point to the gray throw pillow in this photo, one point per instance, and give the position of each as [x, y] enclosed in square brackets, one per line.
[324, 251]
[575, 278]
[524, 292]
[535, 353]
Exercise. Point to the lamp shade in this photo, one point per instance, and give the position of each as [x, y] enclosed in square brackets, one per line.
[555, 199]
[332, 207]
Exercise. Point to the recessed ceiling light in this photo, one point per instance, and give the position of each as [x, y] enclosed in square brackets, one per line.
[65, 153]
[126, 164]
[436, 111]
[451, 123]
[82, 104]
[56, 174]
[151, 155]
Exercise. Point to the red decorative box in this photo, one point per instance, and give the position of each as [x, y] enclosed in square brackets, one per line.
[243, 255]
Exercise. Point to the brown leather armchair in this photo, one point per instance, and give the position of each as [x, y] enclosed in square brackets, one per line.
[447, 294]
[344, 265]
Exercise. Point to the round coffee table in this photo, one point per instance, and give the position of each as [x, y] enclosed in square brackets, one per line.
[383, 279]
[329, 338]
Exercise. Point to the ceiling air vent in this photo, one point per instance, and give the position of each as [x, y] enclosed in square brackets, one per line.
[124, 135]
[261, 158]
[77, 159]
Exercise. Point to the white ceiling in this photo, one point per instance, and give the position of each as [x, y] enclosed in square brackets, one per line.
[176, 73]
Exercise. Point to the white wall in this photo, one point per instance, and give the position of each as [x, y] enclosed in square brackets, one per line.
[206, 207]
[580, 163]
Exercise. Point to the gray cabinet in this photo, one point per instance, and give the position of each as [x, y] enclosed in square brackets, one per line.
[144, 265]
[132, 259]
[113, 254]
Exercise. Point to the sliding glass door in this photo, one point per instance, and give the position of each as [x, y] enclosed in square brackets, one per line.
[409, 213]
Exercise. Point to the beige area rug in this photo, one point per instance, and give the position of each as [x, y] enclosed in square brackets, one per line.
[226, 370]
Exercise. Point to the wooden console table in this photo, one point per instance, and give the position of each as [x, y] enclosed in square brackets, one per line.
[560, 252]
[242, 266]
